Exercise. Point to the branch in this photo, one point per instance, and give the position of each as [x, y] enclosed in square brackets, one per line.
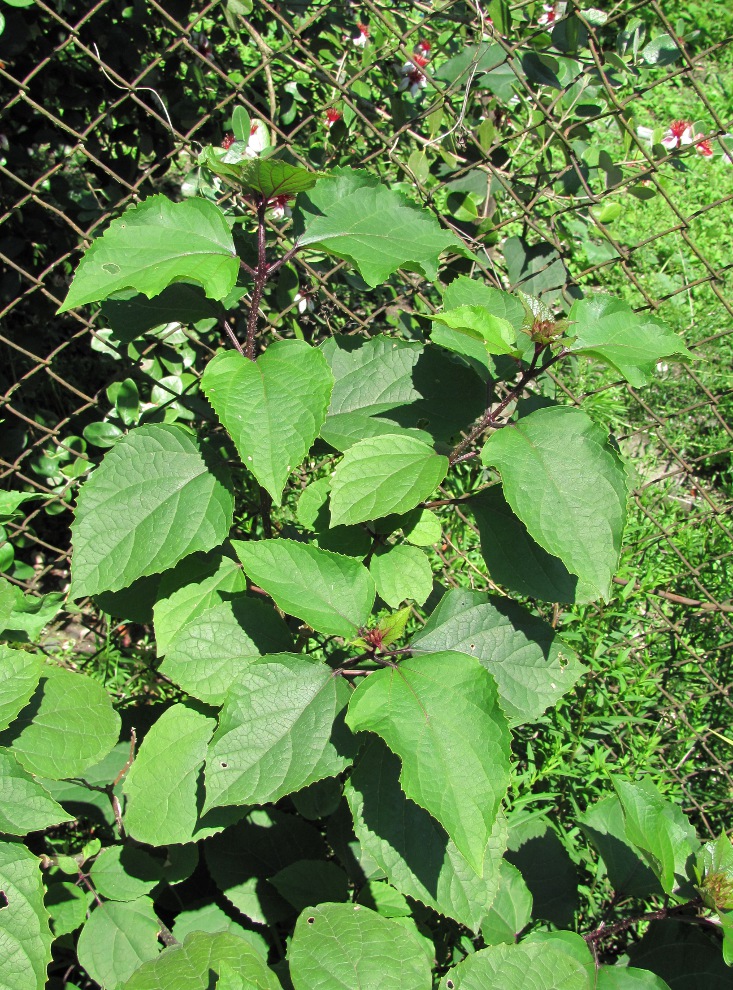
[678, 912]
[260, 278]
[491, 416]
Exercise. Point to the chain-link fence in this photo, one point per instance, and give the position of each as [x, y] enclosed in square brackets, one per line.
[572, 149]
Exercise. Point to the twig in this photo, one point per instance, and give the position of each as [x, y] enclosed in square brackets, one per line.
[260, 279]
[233, 337]
[677, 912]
[266, 53]
[166, 936]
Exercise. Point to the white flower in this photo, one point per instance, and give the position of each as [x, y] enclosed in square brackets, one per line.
[549, 16]
[362, 37]
[304, 301]
[280, 208]
[678, 133]
[413, 76]
[259, 139]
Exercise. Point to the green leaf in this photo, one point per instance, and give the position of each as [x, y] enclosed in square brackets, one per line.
[268, 176]
[197, 583]
[276, 732]
[311, 881]
[26, 616]
[371, 376]
[154, 244]
[67, 905]
[547, 869]
[68, 725]
[687, 957]
[422, 527]
[191, 964]
[464, 291]
[440, 714]
[26, 805]
[412, 848]
[659, 829]
[241, 859]
[318, 800]
[627, 978]
[213, 648]
[349, 947]
[401, 572]
[381, 475]
[125, 873]
[603, 823]
[513, 558]
[607, 329]
[10, 502]
[20, 673]
[512, 967]
[511, 909]
[273, 408]
[152, 501]
[532, 667]
[25, 940]
[164, 786]
[568, 487]
[497, 336]
[332, 593]
[117, 939]
[208, 917]
[376, 230]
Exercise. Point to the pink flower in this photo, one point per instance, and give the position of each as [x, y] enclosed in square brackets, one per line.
[280, 208]
[704, 148]
[228, 141]
[422, 48]
[412, 75]
[678, 133]
[549, 16]
[332, 117]
[362, 37]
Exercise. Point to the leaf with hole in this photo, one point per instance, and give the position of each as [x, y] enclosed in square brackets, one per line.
[154, 244]
[278, 731]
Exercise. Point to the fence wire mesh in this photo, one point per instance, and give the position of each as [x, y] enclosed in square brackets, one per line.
[558, 180]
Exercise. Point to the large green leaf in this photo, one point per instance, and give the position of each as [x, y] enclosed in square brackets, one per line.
[125, 873]
[606, 328]
[603, 823]
[311, 881]
[164, 786]
[513, 558]
[511, 909]
[151, 502]
[181, 303]
[276, 732]
[412, 848]
[547, 869]
[213, 648]
[686, 956]
[332, 593]
[660, 829]
[196, 584]
[154, 244]
[19, 676]
[532, 667]
[68, 725]
[25, 936]
[464, 291]
[117, 939]
[440, 714]
[538, 966]
[378, 231]
[26, 805]
[199, 959]
[273, 408]
[371, 376]
[569, 488]
[401, 572]
[384, 474]
[349, 947]
[242, 859]
[628, 978]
